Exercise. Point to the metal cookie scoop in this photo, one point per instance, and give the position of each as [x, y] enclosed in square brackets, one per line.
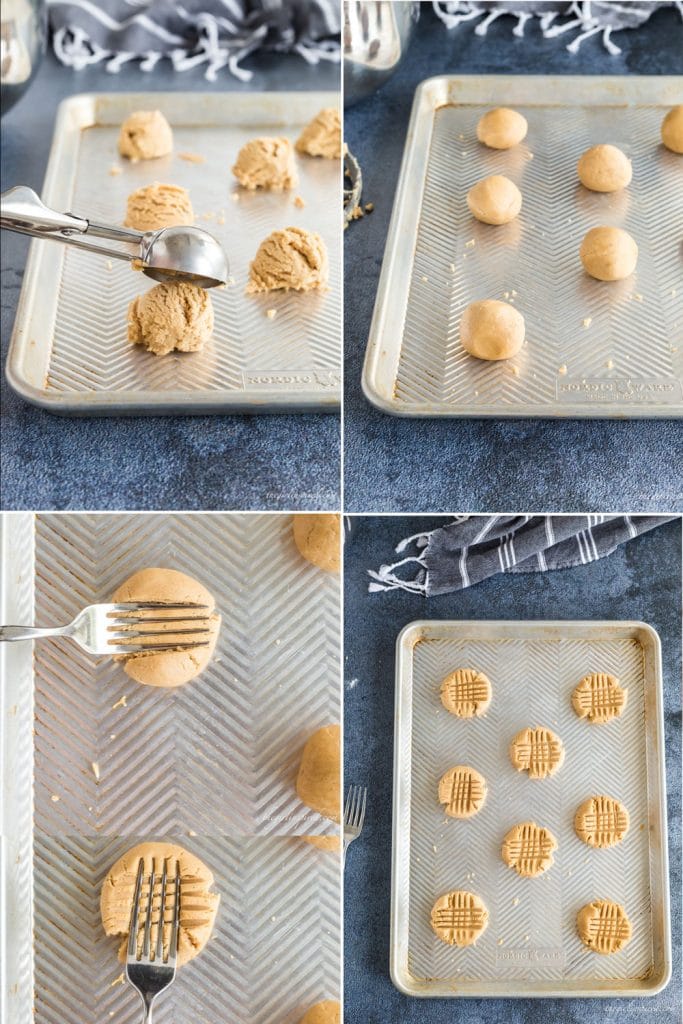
[169, 254]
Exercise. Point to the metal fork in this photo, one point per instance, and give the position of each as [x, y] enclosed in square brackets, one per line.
[150, 972]
[99, 628]
[354, 814]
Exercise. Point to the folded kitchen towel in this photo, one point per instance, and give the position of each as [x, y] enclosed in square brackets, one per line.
[471, 548]
[215, 33]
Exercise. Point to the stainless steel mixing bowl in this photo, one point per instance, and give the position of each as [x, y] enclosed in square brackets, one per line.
[376, 34]
[23, 31]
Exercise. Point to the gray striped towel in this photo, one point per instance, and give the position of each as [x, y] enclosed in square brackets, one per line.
[468, 549]
[215, 33]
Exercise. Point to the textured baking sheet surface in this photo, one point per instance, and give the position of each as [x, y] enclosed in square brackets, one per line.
[219, 755]
[275, 950]
[531, 936]
[593, 348]
[78, 352]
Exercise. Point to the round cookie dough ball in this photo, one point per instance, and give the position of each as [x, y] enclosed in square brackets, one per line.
[318, 783]
[491, 330]
[322, 136]
[501, 128]
[289, 260]
[494, 200]
[266, 164]
[197, 908]
[158, 206]
[608, 254]
[604, 168]
[672, 129]
[327, 1012]
[171, 316]
[173, 667]
[317, 536]
[145, 135]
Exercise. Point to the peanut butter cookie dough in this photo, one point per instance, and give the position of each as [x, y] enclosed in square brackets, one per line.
[501, 128]
[331, 844]
[599, 697]
[158, 206]
[198, 906]
[317, 537]
[289, 260]
[322, 136]
[604, 168]
[145, 135]
[318, 783]
[466, 693]
[608, 254]
[462, 790]
[603, 926]
[672, 129]
[601, 821]
[171, 316]
[537, 751]
[174, 667]
[494, 200]
[327, 1012]
[459, 918]
[528, 849]
[493, 330]
[266, 163]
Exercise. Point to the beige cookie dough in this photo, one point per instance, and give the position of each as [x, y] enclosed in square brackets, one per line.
[599, 698]
[466, 693]
[459, 918]
[501, 128]
[330, 843]
[327, 1012]
[198, 905]
[603, 926]
[158, 206]
[174, 667]
[537, 751]
[462, 791]
[601, 821]
[528, 849]
[672, 129]
[494, 200]
[317, 536]
[145, 135]
[608, 254]
[266, 163]
[318, 783]
[490, 329]
[171, 316]
[289, 260]
[604, 168]
[322, 136]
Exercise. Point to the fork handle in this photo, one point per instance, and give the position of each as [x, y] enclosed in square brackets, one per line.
[10, 633]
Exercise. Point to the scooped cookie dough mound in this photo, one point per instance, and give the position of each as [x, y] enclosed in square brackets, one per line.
[672, 129]
[171, 316]
[198, 905]
[494, 200]
[172, 667]
[604, 169]
[490, 329]
[322, 136]
[317, 537]
[603, 926]
[608, 254]
[327, 1012]
[528, 849]
[318, 783]
[459, 918]
[158, 206]
[501, 128]
[266, 163]
[145, 135]
[289, 260]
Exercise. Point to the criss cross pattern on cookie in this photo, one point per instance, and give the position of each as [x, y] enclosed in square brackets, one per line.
[537, 751]
[604, 926]
[528, 849]
[599, 697]
[466, 693]
[462, 790]
[601, 821]
[459, 917]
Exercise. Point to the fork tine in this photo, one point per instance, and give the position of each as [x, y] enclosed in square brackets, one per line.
[134, 913]
[347, 805]
[173, 945]
[150, 914]
[114, 648]
[141, 606]
[159, 954]
[123, 634]
[362, 809]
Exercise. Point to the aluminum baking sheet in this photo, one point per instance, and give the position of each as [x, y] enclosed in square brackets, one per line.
[593, 349]
[530, 947]
[69, 351]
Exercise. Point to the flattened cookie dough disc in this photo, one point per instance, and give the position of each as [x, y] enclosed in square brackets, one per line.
[494, 200]
[463, 791]
[459, 918]
[466, 693]
[318, 538]
[601, 821]
[327, 1012]
[603, 926]
[537, 751]
[672, 129]
[528, 849]
[490, 329]
[604, 168]
[501, 128]
[598, 698]
[608, 254]
[145, 135]
[318, 783]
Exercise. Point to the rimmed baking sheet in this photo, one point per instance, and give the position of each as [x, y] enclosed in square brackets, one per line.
[530, 947]
[69, 351]
[593, 349]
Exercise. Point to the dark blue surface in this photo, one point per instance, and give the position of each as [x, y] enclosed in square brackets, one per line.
[171, 462]
[411, 465]
[641, 581]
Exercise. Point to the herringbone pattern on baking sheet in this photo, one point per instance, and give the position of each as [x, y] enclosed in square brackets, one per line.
[219, 755]
[636, 327]
[275, 950]
[90, 352]
[531, 932]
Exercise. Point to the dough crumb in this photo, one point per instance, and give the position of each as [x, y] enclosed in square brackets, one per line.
[95, 770]
[609, 364]
[118, 981]
[470, 244]
[192, 158]
[369, 207]
[322, 136]
[424, 278]
[54, 798]
[299, 202]
[289, 260]
[115, 169]
[587, 321]
[562, 369]
[121, 703]
[271, 313]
